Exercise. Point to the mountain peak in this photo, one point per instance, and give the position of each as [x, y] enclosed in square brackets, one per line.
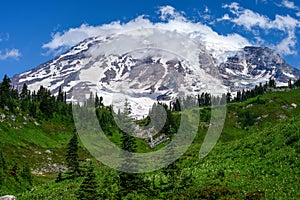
[147, 75]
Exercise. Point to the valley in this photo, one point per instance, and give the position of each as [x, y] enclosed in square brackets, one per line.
[256, 157]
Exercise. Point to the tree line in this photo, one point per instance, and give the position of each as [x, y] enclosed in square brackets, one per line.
[39, 104]
[206, 99]
[43, 105]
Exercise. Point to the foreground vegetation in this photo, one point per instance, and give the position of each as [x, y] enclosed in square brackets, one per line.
[257, 156]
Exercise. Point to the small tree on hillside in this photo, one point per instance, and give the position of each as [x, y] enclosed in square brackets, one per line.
[171, 170]
[297, 83]
[88, 188]
[128, 181]
[59, 177]
[26, 174]
[25, 98]
[272, 83]
[228, 97]
[5, 91]
[2, 161]
[72, 157]
[3, 166]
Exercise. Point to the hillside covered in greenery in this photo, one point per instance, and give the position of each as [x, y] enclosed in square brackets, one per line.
[256, 157]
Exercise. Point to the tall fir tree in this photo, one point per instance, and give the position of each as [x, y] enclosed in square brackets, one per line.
[128, 181]
[290, 84]
[59, 177]
[171, 171]
[176, 105]
[72, 157]
[297, 83]
[5, 91]
[25, 98]
[60, 95]
[26, 174]
[238, 96]
[228, 97]
[272, 83]
[3, 164]
[89, 187]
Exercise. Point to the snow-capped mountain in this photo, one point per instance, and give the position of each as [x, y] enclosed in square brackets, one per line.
[253, 65]
[146, 67]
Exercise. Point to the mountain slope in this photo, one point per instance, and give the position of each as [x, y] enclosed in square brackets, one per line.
[129, 66]
[253, 65]
[260, 161]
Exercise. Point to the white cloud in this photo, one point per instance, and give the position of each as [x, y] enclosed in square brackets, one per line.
[289, 4]
[171, 20]
[224, 18]
[8, 53]
[4, 37]
[250, 19]
[169, 12]
[286, 46]
[13, 53]
[73, 36]
[206, 9]
[245, 17]
[284, 23]
[233, 6]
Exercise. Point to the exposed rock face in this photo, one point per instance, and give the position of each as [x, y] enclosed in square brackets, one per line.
[8, 197]
[146, 76]
[253, 65]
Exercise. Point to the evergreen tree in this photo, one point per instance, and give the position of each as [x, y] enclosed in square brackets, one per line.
[202, 99]
[228, 97]
[238, 96]
[25, 98]
[215, 99]
[297, 83]
[88, 188]
[47, 103]
[26, 174]
[72, 157]
[156, 114]
[176, 106]
[5, 91]
[290, 85]
[24, 92]
[169, 127]
[33, 109]
[91, 100]
[171, 171]
[223, 99]
[97, 101]
[272, 83]
[3, 164]
[101, 101]
[244, 95]
[2, 176]
[14, 94]
[128, 181]
[260, 89]
[59, 177]
[60, 95]
[207, 99]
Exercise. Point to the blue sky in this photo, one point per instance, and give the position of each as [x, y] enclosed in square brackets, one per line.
[33, 32]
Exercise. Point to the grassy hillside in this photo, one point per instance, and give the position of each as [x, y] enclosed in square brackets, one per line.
[41, 145]
[257, 157]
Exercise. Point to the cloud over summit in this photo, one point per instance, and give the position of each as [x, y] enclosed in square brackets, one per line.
[173, 20]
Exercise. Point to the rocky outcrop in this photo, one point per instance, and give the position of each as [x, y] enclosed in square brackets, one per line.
[8, 197]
